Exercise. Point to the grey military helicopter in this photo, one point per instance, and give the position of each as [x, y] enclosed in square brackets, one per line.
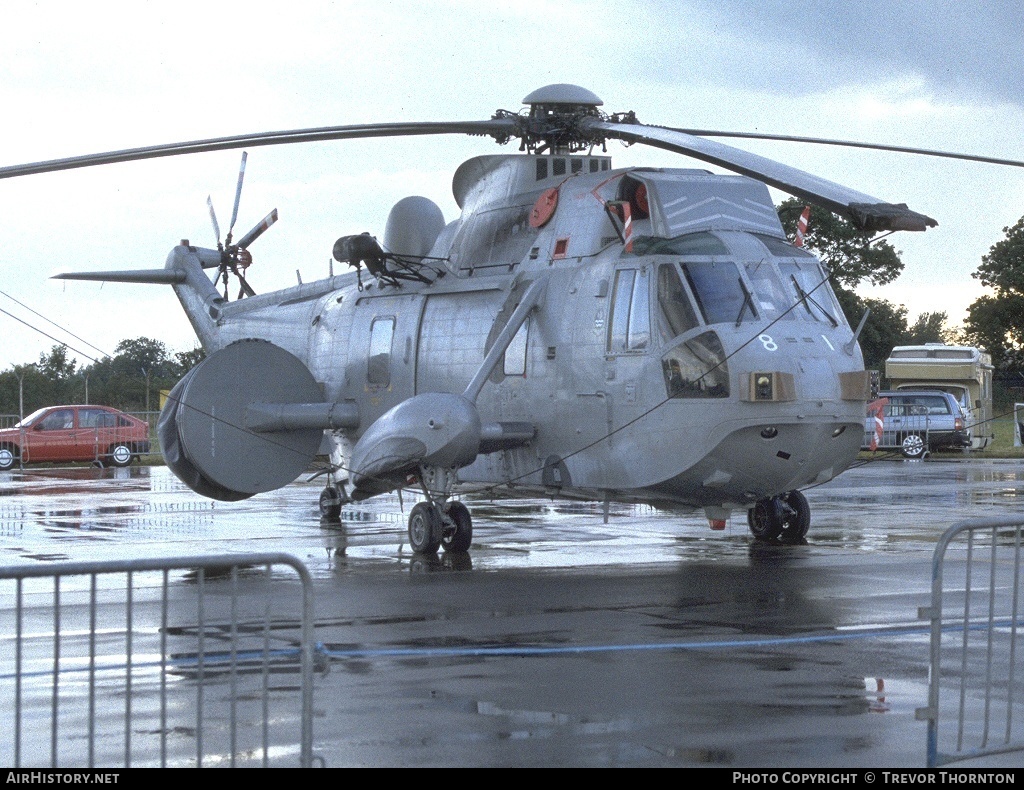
[638, 335]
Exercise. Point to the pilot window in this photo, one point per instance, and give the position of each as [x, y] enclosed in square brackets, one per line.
[770, 296]
[378, 367]
[515, 354]
[630, 325]
[721, 293]
[676, 309]
[808, 285]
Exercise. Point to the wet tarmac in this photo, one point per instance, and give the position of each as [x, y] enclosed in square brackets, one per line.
[563, 640]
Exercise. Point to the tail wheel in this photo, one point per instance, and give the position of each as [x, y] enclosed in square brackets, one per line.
[330, 503]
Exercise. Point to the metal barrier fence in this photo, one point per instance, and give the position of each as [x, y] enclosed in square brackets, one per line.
[974, 682]
[188, 661]
[914, 440]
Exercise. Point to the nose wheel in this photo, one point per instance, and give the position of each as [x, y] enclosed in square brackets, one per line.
[784, 519]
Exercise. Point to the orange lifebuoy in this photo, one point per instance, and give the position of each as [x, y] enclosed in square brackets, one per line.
[544, 208]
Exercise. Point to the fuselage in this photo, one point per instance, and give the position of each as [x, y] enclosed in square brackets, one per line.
[684, 353]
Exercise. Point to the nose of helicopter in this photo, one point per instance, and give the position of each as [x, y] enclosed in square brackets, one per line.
[755, 462]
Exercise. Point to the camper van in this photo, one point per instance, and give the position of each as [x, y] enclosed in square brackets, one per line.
[963, 371]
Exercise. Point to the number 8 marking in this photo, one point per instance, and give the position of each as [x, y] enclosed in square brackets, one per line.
[768, 343]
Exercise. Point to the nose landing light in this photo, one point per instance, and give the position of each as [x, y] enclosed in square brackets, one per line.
[770, 386]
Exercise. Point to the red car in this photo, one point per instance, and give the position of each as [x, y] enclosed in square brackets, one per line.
[74, 433]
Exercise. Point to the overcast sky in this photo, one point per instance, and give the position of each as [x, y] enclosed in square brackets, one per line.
[82, 78]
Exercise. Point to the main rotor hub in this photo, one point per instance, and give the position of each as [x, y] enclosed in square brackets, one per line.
[554, 119]
[563, 94]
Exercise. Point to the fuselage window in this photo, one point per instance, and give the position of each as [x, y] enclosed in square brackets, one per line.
[558, 167]
[515, 354]
[542, 169]
[674, 301]
[378, 368]
[630, 327]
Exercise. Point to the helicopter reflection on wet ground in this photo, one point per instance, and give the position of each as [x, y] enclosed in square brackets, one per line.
[561, 639]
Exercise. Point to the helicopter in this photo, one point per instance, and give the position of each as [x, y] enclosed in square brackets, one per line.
[630, 335]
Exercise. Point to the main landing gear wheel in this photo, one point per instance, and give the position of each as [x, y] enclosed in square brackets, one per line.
[425, 528]
[456, 539]
[330, 503]
[785, 518]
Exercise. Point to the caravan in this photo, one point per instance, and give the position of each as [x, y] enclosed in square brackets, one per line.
[963, 371]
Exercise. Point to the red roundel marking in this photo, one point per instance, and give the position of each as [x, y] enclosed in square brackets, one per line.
[544, 208]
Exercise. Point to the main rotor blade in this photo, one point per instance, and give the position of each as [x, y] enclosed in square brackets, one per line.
[255, 233]
[866, 212]
[901, 149]
[497, 127]
[213, 218]
[238, 194]
[159, 276]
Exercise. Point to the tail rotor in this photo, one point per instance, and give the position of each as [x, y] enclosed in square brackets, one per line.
[236, 258]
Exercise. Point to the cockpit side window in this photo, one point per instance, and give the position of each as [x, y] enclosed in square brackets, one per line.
[630, 325]
[678, 313]
[697, 368]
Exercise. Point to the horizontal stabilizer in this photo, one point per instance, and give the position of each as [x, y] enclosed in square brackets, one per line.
[160, 276]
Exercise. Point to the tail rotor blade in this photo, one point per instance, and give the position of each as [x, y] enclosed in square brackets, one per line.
[213, 218]
[258, 231]
[238, 192]
[246, 288]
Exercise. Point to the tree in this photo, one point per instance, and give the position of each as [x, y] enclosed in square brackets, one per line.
[928, 328]
[57, 366]
[184, 361]
[851, 258]
[130, 380]
[995, 321]
[849, 254]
